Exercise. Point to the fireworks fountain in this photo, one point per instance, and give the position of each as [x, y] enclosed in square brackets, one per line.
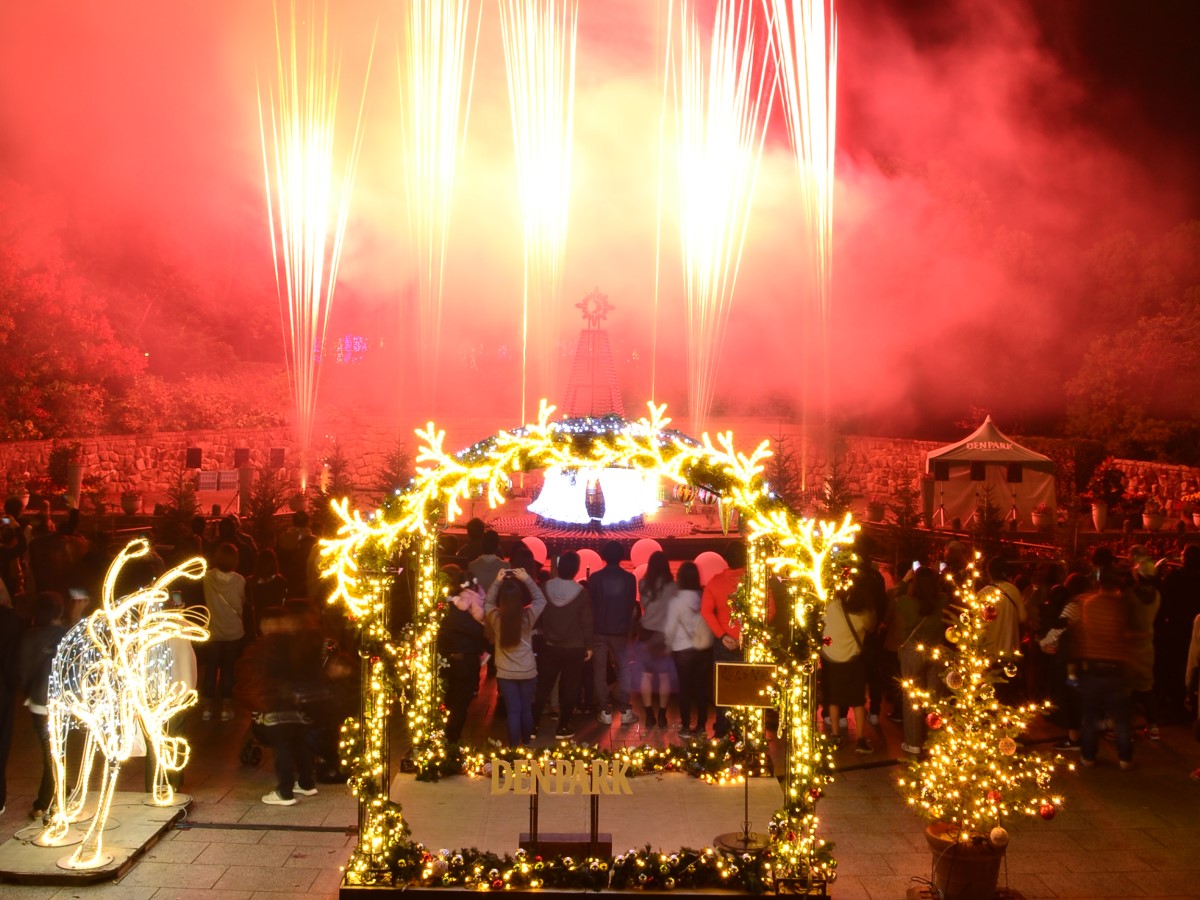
[804, 42]
[308, 197]
[721, 107]
[435, 86]
[539, 56]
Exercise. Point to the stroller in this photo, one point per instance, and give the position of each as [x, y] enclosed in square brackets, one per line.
[313, 706]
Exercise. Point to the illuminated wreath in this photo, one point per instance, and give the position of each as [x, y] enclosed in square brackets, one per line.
[807, 555]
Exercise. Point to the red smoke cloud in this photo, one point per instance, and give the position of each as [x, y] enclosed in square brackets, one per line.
[970, 187]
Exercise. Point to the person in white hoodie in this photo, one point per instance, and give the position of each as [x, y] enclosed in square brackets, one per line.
[690, 641]
[225, 597]
[567, 630]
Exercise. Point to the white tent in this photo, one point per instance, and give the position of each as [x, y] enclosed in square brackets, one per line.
[963, 473]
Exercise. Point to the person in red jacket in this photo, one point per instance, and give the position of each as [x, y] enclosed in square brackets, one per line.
[726, 629]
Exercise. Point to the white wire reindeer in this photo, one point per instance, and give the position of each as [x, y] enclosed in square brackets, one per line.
[111, 677]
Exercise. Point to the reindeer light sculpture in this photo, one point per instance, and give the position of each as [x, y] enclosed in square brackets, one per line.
[111, 678]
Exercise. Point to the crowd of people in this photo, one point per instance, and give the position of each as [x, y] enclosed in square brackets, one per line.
[592, 645]
[267, 653]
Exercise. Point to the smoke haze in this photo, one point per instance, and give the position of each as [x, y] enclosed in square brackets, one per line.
[974, 179]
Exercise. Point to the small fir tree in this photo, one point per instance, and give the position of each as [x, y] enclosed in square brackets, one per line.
[974, 775]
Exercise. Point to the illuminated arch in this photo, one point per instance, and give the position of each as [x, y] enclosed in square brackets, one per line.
[801, 551]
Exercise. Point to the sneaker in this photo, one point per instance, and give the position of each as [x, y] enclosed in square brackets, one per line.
[1153, 733]
[686, 734]
[1126, 765]
[896, 716]
[1067, 744]
[873, 718]
[227, 715]
[1087, 763]
[630, 718]
[304, 792]
[862, 745]
[564, 731]
[651, 721]
[910, 749]
[206, 714]
[842, 723]
[605, 716]
[37, 815]
[274, 799]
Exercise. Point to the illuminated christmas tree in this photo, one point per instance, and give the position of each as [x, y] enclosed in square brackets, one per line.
[974, 775]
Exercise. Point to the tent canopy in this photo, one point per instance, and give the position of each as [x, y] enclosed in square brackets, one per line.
[988, 444]
[987, 465]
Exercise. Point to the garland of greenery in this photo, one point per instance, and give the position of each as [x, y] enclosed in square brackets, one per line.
[802, 552]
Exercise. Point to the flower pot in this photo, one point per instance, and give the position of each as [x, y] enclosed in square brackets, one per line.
[1099, 515]
[1196, 519]
[965, 870]
[1042, 521]
[1152, 521]
[131, 504]
[874, 512]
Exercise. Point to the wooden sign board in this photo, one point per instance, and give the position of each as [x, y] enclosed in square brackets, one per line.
[744, 684]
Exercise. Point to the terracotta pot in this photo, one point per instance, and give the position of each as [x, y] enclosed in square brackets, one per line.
[1196, 519]
[1099, 515]
[1152, 521]
[298, 503]
[1042, 521]
[131, 504]
[964, 870]
[874, 512]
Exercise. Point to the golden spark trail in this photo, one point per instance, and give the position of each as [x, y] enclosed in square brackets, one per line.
[308, 197]
[433, 81]
[539, 57]
[804, 45]
[722, 104]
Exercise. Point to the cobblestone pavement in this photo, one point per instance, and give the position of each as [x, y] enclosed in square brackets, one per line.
[1121, 834]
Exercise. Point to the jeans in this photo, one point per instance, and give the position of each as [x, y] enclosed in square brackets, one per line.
[554, 663]
[917, 666]
[518, 707]
[618, 646]
[721, 653]
[293, 757]
[462, 680]
[695, 683]
[1102, 693]
[45, 794]
[219, 658]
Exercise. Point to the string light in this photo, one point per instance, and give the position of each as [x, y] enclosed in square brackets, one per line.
[808, 556]
[111, 677]
[974, 776]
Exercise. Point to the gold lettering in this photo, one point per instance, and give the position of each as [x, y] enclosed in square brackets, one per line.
[543, 775]
[600, 782]
[620, 783]
[579, 777]
[521, 777]
[501, 776]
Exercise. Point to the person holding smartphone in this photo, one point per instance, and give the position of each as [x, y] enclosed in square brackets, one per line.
[513, 604]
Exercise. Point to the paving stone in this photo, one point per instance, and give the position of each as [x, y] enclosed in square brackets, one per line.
[267, 878]
[1092, 884]
[185, 894]
[158, 874]
[885, 887]
[310, 838]
[237, 854]
[106, 889]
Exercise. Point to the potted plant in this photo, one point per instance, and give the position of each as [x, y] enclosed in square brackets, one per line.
[1191, 502]
[93, 493]
[874, 510]
[1105, 490]
[131, 502]
[1042, 517]
[973, 776]
[17, 485]
[1153, 514]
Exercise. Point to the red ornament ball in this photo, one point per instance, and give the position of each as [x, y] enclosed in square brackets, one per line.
[791, 835]
[815, 793]
[989, 613]
[933, 720]
[1047, 811]
[827, 641]
[498, 885]
[994, 796]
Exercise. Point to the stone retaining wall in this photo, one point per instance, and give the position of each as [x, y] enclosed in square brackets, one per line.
[871, 467]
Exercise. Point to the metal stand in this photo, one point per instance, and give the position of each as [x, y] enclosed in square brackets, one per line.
[594, 844]
[939, 517]
[744, 841]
